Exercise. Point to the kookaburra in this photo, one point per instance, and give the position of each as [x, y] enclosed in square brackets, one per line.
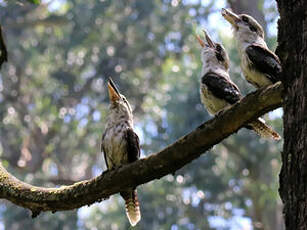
[120, 145]
[260, 66]
[217, 91]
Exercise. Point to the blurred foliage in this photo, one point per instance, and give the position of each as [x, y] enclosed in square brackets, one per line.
[34, 1]
[54, 103]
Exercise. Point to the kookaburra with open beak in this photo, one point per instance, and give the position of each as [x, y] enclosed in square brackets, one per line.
[120, 145]
[217, 91]
[260, 66]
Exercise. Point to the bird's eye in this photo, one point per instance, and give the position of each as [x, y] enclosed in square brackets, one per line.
[125, 101]
[245, 19]
[218, 47]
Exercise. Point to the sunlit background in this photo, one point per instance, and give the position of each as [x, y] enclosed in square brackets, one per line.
[54, 104]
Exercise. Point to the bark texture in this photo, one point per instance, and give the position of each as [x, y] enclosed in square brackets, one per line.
[292, 49]
[168, 160]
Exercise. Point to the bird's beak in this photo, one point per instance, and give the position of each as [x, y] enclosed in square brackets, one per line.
[231, 17]
[113, 91]
[210, 42]
[201, 42]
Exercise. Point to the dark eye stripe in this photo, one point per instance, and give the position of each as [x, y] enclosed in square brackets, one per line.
[219, 57]
[126, 102]
[252, 28]
[245, 19]
[219, 53]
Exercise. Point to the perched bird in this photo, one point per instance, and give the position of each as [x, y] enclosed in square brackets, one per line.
[260, 66]
[217, 91]
[120, 145]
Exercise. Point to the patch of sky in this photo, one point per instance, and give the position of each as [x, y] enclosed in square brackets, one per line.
[174, 227]
[2, 208]
[218, 3]
[83, 213]
[234, 223]
[67, 119]
[81, 111]
[191, 2]
[96, 116]
[96, 170]
[3, 3]
[271, 16]
[83, 122]
[53, 169]
[277, 113]
[53, 5]
[151, 128]
[139, 131]
[80, 224]
[88, 73]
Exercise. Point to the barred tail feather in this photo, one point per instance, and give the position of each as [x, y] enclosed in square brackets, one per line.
[264, 130]
[132, 206]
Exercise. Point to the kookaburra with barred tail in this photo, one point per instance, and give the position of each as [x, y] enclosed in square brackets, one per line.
[217, 91]
[260, 66]
[120, 145]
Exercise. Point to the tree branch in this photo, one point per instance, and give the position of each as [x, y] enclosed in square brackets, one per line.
[168, 160]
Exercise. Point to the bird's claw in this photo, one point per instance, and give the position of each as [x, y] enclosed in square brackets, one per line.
[219, 113]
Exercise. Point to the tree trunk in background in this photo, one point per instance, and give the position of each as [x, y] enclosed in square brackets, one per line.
[292, 49]
[251, 7]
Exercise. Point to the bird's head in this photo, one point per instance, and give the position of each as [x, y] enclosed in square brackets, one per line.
[119, 106]
[247, 28]
[213, 53]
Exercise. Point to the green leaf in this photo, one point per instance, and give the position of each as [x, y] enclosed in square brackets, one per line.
[35, 1]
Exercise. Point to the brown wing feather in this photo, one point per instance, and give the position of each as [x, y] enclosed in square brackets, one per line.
[133, 145]
[265, 61]
[221, 88]
[102, 149]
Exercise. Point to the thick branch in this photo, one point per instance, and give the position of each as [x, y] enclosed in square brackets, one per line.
[167, 161]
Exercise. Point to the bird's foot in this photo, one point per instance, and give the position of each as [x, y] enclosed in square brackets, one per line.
[117, 167]
[219, 113]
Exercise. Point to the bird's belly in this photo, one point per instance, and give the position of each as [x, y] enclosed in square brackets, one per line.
[212, 103]
[116, 149]
[253, 76]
